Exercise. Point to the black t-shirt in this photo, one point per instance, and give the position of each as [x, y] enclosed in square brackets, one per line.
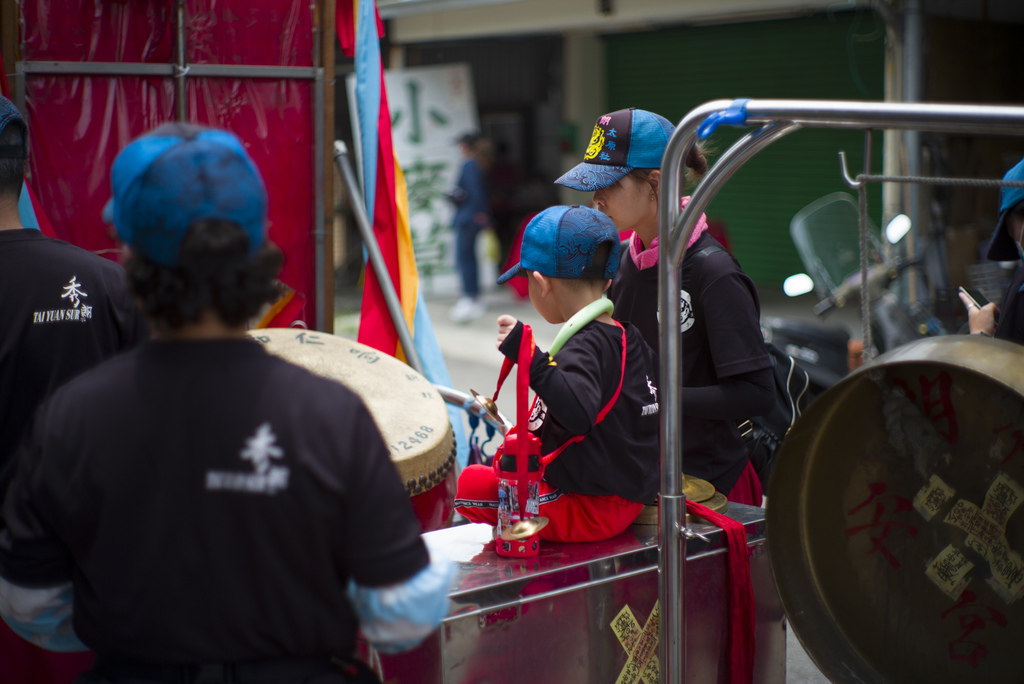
[721, 338]
[620, 454]
[62, 311]
[1011, 312]
[209, 502]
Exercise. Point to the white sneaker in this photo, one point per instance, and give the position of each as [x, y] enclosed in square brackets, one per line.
[466, 310]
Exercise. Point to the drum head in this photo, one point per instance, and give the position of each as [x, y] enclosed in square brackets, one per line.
[409, 413]
[894, 520]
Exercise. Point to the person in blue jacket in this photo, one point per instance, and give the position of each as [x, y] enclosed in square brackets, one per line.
[472, 215]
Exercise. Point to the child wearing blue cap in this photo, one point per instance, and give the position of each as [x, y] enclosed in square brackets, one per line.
[1005, 246]
[597, 486]
[726, 367]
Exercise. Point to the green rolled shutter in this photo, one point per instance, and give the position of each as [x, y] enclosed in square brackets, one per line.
[837, 56]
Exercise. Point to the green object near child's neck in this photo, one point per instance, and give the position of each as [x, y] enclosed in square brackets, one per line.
[590, 312]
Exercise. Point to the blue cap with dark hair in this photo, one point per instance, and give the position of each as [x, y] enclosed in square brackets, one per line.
[176, 175]
[1002, 247]
[9, 114]
[560, 242]
[622, 141]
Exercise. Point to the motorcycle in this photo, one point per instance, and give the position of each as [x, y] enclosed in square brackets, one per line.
[827, 237]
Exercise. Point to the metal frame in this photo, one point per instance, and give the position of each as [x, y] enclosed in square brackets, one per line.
[774, 119]
[180, 71]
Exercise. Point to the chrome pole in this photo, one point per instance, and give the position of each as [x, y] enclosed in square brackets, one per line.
[319, 229]
[672, 501]
[940, 118]
[180, 91]
[674, 230]
[376, 259]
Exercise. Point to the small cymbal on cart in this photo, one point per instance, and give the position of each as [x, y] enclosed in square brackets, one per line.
[524, 529]
[694, 489]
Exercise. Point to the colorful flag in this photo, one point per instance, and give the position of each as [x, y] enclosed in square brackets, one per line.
[387, 205]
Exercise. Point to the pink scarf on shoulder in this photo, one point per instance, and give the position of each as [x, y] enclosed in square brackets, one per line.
[646, 258]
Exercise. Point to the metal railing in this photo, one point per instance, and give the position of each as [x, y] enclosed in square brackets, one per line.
[773, 120]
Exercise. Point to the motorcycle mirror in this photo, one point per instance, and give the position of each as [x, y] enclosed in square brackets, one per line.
[798, 284]
[897, 228]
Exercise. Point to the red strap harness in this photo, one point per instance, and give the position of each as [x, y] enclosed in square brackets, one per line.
[527, 346]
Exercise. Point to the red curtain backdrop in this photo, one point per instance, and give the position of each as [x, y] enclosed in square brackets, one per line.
[78, 124]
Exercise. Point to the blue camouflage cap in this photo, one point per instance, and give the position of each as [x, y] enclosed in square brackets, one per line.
[560, 242]
[179, 174]
[9, 114]
[622, 141]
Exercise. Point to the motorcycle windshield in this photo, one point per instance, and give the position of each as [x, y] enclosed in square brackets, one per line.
[826, 234]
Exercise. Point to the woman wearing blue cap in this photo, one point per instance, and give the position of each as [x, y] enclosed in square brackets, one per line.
[726, 368]
[1005, 246]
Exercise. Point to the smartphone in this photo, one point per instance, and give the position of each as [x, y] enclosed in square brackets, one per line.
[975, 296]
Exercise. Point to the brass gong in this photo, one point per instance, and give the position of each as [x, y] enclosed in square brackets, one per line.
[695, 489]
[894, 524]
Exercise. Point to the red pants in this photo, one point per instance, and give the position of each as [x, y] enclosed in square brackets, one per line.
[573, 517]
[747, 489]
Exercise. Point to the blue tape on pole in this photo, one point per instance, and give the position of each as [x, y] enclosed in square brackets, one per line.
[735, 115]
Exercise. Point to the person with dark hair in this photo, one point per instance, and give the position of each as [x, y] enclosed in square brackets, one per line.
[472, 215]
[1006, 321]
[726, 367]
[63, 310]
[216, 513]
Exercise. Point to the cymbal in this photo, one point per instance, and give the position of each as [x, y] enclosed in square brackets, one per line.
[524, 528]
[696, 489]
[488, 405]
[718, 503]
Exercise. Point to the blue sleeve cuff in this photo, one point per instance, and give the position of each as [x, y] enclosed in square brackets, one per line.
[398, 617]
[41, 616]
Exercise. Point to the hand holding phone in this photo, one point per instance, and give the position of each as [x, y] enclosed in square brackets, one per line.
[973, 297]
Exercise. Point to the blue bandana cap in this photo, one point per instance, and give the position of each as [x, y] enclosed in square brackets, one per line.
[560, 242]
[622, 141]
[1002, 247]
[177, 175]
[9, 115]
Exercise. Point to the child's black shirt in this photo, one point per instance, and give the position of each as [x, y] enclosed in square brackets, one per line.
[620, 454]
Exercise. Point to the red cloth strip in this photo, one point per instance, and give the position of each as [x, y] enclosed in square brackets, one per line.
[740, 632]
[376, 328]
[345, 25]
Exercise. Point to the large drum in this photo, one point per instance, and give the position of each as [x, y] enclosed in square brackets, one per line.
[411, 415]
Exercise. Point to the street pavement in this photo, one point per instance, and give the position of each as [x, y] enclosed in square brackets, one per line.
[473, 361]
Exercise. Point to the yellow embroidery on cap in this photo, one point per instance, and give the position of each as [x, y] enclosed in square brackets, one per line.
[596, 143]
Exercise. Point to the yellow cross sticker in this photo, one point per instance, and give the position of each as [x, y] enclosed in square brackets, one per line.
[640, 644]
[986, 530]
